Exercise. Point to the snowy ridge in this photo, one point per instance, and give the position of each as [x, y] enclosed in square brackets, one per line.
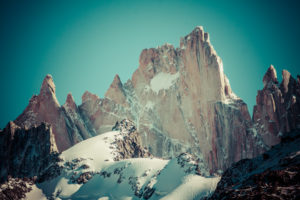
[91, 171]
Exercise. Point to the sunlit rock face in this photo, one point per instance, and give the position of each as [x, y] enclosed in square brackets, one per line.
[181, 101]
[66, 122]
[277, 109]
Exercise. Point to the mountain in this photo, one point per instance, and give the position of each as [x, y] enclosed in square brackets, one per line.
[27, 156]
[272, 175]
[111, 165]
[96, 169]
[67, 125]
[181, 101]
[184, 125]
[277, 109]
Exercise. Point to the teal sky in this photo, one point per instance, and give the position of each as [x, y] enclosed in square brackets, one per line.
[83, 44]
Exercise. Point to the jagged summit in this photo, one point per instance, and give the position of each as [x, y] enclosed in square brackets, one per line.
[88, 96]
[116, 92]
[70, 101]
[67, 124]
[115, 85]
[276, 112]
[271, 75]
[286, 78]
[48, 85]
[116, 82]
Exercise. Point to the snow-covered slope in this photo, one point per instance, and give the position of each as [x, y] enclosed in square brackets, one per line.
[92, 170]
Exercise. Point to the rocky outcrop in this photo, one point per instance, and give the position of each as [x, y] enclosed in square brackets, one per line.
[273, 175]
[28, 152]
[181, 101]
[130, 146]
[67, 125]
[15, 188]
[277, 109]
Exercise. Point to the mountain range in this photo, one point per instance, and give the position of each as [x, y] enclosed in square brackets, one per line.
[181, 117]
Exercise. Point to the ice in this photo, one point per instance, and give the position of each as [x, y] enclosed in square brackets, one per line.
[163, 81]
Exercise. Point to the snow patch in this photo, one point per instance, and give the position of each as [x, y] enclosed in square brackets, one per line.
[163, 81]
[149, 105]
[35, 193]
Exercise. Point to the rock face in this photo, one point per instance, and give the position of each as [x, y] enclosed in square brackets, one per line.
[181, 101]
[277, 109]
[273, 175]
[15, 188]
[27, 152]
[67, 125]
[130, 146]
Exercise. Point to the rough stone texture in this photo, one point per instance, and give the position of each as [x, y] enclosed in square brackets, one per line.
[15, 188]
[273, 175]
[27, 152]
[77, 127]
[181, 101]
[277, 109]
[116, 92]
[68, 127]
[84, 178]
[130, 146]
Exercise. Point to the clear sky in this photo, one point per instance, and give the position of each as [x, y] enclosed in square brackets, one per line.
[83, 44]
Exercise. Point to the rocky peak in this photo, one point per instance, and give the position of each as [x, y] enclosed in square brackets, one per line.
[276, 112]
[116, 91]
[196, 35]
[116, 82]
[87, 96]
[47, 91]
[70, 102]
[45, 108]
[148, 56]
[286, 75]
[270, 75]
[48, 85]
